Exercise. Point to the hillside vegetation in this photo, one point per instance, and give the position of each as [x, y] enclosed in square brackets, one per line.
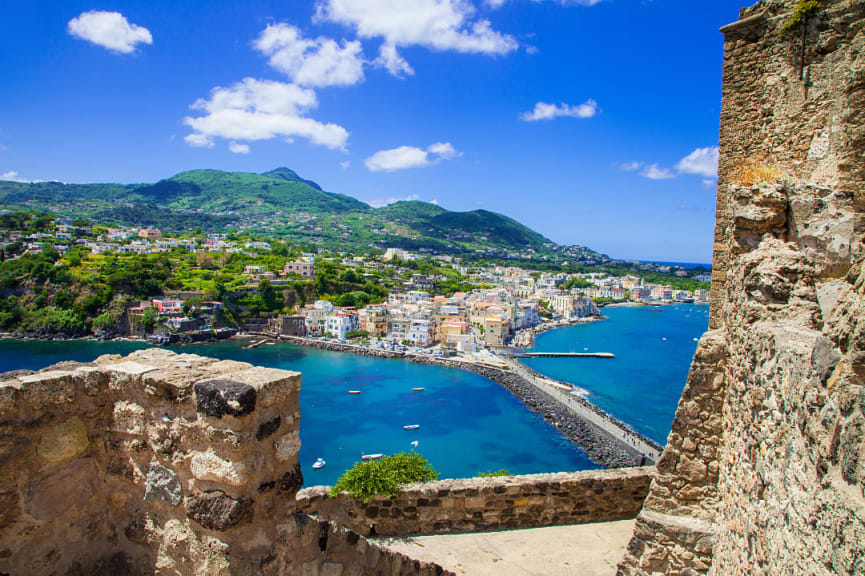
[277, 203]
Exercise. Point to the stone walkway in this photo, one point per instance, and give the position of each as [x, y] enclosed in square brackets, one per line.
[564, 396]
[585, 549]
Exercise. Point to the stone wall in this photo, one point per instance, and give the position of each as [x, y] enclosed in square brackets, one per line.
[481, 504]
[153, 463]
[764, 471]
[319, 548]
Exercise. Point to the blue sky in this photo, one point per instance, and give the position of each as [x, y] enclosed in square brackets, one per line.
[594, 122]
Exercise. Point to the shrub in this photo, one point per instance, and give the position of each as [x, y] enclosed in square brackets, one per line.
[384, 476]
[491, 474]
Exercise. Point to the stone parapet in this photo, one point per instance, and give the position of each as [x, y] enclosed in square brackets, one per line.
[153, 463]
[481, 504]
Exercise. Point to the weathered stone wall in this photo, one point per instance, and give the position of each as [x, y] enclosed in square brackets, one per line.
[480, 504]
[319, 548]
[764, 472]
[153, 463]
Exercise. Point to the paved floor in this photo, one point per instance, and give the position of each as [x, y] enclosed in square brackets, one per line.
[584, 550]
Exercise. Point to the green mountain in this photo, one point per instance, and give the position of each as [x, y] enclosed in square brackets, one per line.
[276, 203]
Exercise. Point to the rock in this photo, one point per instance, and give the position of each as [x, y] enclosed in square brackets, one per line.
[268, 428]
[162, 484]
[291, 481]
[218, 398]
[216, 510]
[209, 466]
[64, 441]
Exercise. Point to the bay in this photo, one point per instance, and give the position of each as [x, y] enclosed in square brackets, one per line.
[642, 385]
[468, 424]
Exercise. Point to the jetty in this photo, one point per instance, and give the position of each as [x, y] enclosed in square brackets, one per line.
[585, 410]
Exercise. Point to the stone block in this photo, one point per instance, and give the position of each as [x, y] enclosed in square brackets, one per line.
[273, 386]
[287, 447]
[209, 466]
[267, 429]
[218, 398]
[216, 510]
[163, 484]
[64, 441]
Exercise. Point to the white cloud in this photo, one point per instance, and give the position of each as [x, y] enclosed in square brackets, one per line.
[630, 166]
[260, 110]
[318, 62]
[543, 111]
[654, 172]
[199, 140]
[345, 164]
[379, 202]
[110, 30]
[237, 148]
[496, 4]
[442, 25]
[389, 58]
[702, 161]
[708, 183]
[12, 176]
[410, 157]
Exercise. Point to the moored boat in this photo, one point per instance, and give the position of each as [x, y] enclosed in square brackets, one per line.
[371, 456]
[417, 389]
[411, 427]
[319, 464]
[354, 391]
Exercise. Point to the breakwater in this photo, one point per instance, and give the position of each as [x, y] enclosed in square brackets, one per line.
[602, 448]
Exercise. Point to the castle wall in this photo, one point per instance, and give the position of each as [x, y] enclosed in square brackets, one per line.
[153, 463]
[764, 472]
[482, 504]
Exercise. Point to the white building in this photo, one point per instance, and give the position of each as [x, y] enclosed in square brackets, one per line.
[339, 324]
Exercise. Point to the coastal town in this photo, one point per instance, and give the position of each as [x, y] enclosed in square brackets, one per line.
[222, 283]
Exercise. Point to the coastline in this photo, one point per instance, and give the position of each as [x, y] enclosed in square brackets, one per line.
[602, 436]
[526, 338]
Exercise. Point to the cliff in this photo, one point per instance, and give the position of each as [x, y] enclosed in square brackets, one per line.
[764, 469]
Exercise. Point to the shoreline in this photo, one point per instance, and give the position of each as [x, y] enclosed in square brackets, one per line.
[586, 425]
[603, 437]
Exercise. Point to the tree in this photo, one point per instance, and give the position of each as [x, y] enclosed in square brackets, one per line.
[148, 320]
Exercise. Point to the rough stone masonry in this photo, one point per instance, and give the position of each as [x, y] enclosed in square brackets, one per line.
[764, 470]
[163, 463]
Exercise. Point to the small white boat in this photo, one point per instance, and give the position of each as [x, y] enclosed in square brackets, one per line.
[371, 456]
[696, 339]
[664, 339]
[354, 391]
[417, 389]
[411, 427]
[319, 464]
[414, 443]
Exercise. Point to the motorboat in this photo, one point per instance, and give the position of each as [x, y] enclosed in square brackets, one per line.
[371, 456]
[354, 391]
[414, 443]
[417, 389]
[411, 427]
[319, 464]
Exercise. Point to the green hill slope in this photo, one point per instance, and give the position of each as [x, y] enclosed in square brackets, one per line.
[278, 203]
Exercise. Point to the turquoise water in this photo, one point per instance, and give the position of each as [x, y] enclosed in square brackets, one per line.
[468, 424]
[643, 383]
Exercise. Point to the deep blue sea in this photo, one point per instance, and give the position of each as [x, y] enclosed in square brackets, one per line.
[468, 424]
[654, 347]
